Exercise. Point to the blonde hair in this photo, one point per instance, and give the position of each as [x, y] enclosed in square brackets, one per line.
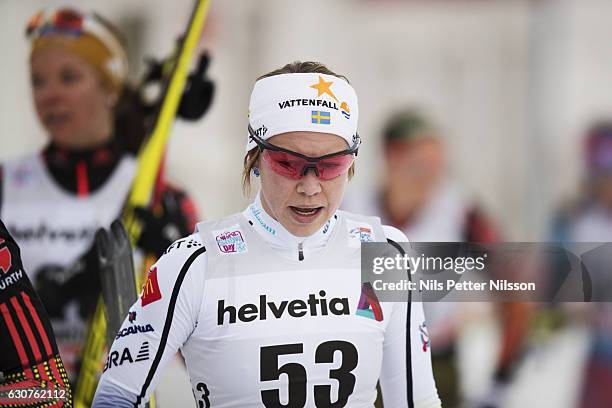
[296, 67]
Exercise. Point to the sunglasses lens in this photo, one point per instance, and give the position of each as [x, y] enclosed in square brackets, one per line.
[335, 166]
[292, 166]
[284, 164]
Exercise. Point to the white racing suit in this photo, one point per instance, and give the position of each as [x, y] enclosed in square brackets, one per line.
[264, 318]
[54, 228]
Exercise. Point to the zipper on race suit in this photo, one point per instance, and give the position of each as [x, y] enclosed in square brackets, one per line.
[300, 251]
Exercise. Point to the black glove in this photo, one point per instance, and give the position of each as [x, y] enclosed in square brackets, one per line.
[58, 285]
[198, 93]
[162, 229]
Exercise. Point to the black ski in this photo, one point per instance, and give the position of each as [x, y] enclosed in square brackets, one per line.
[117, 276]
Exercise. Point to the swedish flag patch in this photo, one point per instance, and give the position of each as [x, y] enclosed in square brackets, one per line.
[321, 117]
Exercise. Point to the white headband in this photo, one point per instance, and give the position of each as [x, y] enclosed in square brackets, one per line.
[117, 65]
[303, 102]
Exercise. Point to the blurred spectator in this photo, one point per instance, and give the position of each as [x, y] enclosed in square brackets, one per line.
[589, 219]
[53, 201]
[416, 197]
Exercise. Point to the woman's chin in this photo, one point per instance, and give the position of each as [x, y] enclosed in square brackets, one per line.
[65, 138]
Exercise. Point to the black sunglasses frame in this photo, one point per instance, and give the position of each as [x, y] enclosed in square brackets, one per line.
[262, 144]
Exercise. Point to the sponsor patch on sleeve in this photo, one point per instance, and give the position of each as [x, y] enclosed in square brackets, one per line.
[5, 258]
[150, 289]
[231, 240]
[10, 272]
[424, 334]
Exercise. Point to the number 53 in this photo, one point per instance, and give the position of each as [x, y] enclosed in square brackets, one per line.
[296, 374]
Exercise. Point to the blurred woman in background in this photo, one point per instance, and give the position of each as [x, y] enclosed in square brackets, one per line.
[55, 200]
[588, 218]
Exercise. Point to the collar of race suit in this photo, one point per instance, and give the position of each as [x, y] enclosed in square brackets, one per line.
[85, 171]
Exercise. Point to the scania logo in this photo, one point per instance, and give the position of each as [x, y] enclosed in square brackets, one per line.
[133, 330]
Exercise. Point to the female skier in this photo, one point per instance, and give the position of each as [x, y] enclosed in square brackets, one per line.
[267, 305]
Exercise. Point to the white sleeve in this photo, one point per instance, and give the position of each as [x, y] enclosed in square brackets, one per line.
[157, 326]
[406, 377]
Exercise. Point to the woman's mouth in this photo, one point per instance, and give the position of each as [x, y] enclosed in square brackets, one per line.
[56, 119]
[305, 214]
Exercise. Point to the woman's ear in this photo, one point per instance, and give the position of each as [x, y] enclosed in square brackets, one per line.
[256, 171]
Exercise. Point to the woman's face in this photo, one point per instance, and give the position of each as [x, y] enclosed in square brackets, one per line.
[303, 206]
[72, 104]
[418, 164]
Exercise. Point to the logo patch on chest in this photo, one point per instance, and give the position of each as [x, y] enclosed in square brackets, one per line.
[368, 303]
[359, 232]
[231, 240]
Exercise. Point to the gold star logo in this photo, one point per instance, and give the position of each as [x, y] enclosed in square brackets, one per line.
[324, 88]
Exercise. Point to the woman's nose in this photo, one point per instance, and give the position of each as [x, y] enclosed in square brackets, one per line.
[48, 94]
[309, 184]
